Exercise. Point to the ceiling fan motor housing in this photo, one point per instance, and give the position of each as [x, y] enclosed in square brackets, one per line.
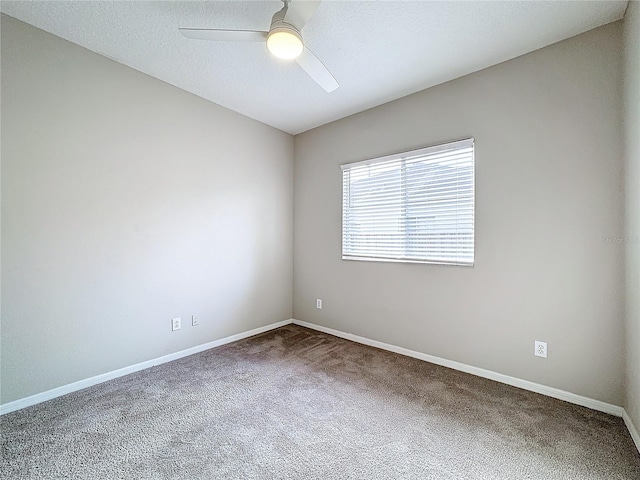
[284, 40]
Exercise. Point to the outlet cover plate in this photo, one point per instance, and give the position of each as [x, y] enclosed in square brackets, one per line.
[540, 349]
[319, 303]
[194, 321]
[176, 324]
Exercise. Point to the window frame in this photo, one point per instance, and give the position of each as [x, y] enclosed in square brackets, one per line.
[428, 150]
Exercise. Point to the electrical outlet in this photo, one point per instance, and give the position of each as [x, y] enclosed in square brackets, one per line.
[194, 321]
[319, 303]
[540, 349]
[175, 324]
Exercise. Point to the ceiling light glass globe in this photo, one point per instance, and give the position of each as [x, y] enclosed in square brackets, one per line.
[285, 44]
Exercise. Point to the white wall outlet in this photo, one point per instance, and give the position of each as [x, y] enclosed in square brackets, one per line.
[194, 321]
[319, 303]
[540, 349]
[175, 324]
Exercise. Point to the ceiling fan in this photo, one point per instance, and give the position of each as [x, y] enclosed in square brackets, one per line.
[283, 39]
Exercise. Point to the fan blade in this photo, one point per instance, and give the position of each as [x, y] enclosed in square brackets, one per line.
[316, 70]
[224, 35]
[300, 11]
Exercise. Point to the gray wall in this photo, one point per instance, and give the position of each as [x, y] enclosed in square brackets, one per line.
[632, 208]
[549, 202]
[126, 202]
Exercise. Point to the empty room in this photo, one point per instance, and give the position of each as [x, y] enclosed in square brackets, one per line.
[320, 239]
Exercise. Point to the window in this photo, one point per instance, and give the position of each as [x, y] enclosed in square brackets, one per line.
[416, 206]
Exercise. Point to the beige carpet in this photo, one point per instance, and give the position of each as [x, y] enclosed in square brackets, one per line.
[294, 403]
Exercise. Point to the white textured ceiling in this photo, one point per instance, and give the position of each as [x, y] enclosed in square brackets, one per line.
[377, 50]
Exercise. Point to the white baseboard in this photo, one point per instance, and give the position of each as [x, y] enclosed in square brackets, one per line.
[480, 372]
[88, 382]
[632, 429]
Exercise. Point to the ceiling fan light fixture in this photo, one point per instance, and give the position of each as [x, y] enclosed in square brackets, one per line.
[285, 43]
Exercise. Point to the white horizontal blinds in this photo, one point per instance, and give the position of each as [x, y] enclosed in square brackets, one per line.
[415, 206]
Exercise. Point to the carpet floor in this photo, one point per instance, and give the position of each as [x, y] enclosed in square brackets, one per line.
[295, 403]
